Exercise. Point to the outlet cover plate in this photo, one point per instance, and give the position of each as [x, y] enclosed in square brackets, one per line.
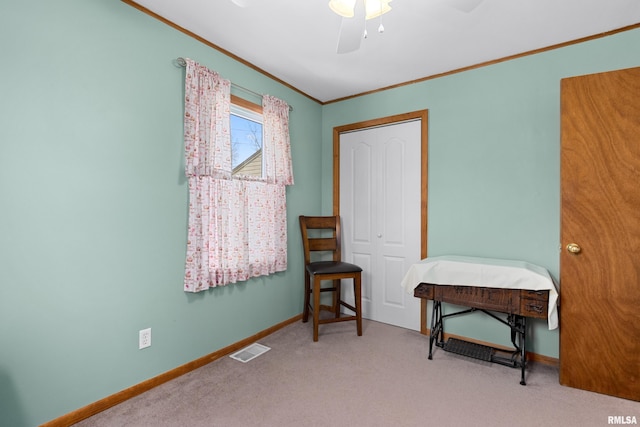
[144, 338]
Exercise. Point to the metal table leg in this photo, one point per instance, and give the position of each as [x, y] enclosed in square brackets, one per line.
[518, 326]
[436, 333]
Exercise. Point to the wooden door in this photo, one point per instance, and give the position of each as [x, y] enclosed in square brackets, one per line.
[600, 273]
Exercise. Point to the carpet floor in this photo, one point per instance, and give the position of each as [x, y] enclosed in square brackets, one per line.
[382, 378]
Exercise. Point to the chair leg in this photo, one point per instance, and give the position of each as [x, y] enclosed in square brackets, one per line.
[307, 291]
[357, 290]
[337, 297]
[316, 307]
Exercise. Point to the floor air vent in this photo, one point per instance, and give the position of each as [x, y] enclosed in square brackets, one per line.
[249, 353]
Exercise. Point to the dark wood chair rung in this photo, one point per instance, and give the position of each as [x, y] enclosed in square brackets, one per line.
[337, 319]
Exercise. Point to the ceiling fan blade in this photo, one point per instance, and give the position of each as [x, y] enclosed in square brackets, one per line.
[352, 30]
[465, 5]
[351, 33]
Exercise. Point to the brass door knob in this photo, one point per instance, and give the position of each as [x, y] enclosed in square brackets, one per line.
[574, 248]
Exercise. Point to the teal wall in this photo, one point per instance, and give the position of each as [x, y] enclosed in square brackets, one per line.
[494, 159]
[93, 207]
[93, 196]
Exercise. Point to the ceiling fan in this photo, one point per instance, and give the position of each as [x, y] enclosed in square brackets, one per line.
[355, 13]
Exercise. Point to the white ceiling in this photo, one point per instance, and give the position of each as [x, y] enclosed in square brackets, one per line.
[295, 40]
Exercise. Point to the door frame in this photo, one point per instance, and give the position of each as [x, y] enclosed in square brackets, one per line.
[423, 116]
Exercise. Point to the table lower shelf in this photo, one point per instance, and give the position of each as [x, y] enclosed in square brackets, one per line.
[482, 352]
[516, 358]
[469, 349]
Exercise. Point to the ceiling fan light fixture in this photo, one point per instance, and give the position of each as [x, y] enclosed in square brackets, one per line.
[344, 8]
[375, 8]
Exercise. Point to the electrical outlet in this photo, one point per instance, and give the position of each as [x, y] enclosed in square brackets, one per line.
[144, 338]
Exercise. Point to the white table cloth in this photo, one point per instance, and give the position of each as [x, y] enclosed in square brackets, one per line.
[484, 272]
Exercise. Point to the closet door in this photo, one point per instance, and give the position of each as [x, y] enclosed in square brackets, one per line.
[600, 233]
[380, 185]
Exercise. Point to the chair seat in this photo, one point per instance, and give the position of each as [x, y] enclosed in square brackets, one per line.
[332, 267]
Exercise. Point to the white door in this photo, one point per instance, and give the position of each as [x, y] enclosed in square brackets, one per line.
[380, 206]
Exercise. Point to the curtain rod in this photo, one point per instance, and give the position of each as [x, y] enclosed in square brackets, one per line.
[181, 62]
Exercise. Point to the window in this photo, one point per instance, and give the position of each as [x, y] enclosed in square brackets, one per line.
[246, 138]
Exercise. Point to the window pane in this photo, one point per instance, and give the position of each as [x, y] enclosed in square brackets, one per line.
[246, 142]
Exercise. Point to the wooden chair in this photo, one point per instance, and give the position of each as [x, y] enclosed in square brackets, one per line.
[321, 234]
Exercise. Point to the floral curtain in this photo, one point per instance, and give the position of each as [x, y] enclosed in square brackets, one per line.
[276, 151]
[237, 227]
[207, 136]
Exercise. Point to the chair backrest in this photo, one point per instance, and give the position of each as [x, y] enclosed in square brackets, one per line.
[320, 234]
